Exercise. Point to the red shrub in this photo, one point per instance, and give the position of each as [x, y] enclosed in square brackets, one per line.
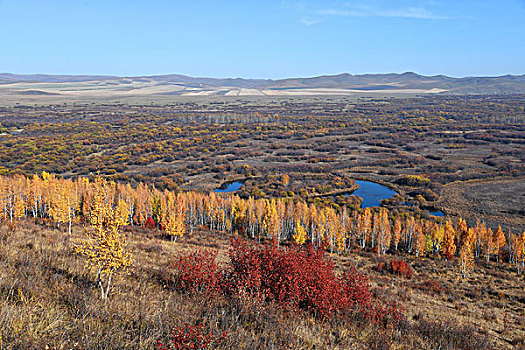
[356, 290]
[401, 268]
[358, 300]
[197, 272]
[295, 279]
[304, 280]
[398, 267]
[150, 223]
[191, 337]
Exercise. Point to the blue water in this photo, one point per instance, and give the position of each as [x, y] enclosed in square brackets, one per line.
[438, 213]
[230, 187]
[372, 193]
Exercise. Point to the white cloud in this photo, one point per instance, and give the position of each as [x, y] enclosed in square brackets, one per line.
[405, 12]
[311, 14]
[309, 22]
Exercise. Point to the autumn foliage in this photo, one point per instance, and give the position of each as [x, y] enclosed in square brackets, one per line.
[196, 272]
[150, 223]
[105, 247]
[298, 280]
[281, 220]
[397, 267]
[191, 337]
[295, 279]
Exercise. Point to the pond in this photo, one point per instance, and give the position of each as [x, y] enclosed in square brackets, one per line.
[372, 193]
[230, 187]
[437, 213]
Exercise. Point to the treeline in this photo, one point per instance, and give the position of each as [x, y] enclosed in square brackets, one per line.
[280, 220]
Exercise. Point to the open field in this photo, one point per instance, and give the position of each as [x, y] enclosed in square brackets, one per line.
[499, 200]
[151, 91]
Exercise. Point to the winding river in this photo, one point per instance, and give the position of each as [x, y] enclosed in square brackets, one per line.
[372, 193]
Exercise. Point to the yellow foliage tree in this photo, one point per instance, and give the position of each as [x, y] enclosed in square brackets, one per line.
[448, 246]
[420, 243]
[384, 233]
[520, 253]
[466, 252]
[300, 234]
[397, 232]
[499, 241]
[489, 244]
[271, 220]
[436, 238]
[176, 216]
[285, 179]
[105, 248]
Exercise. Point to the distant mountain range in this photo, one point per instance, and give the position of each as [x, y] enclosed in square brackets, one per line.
[174, 84]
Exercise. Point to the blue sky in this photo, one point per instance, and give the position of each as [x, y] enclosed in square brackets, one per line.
[262, 39]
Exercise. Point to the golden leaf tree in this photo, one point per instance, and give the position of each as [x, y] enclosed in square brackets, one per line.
[384, 233]
[176, 216]
[271, 220]
[466, 251]
[520, 253]
[499, 241]
[64, 202]
[105, 248]
[397, 232]
[437, 235]
[300, 234]
[285, 180]
[448, 246]
[420, 239]
[489, 243]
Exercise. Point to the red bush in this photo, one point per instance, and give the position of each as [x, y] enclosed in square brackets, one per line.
[356, 290]
[398, 267]
[304, 280]
[401, 268]
[191, 337]
[295, 279]
[150, 223]
[197, 272]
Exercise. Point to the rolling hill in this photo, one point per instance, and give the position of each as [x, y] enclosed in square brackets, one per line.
[13, 86]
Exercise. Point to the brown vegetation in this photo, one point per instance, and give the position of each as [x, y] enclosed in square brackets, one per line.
[199, 145]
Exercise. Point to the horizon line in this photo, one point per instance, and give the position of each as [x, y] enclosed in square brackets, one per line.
[273, 79]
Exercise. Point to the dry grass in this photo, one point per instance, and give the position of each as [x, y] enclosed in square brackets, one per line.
[49, 300]
[491, 300]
